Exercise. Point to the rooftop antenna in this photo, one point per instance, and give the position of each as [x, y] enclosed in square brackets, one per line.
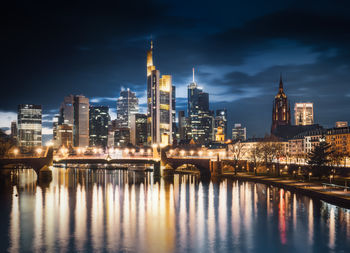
[193, 74]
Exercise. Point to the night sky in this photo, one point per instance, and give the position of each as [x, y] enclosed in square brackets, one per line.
[239, 48]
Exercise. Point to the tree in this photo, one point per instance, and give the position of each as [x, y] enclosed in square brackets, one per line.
[255, 155]
[6, 144]
[237, 151]
[270, 148]
[319, 159]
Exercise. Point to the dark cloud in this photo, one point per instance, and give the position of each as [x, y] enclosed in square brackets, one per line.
[51, 49]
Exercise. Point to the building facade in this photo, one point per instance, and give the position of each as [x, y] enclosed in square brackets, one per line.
[221, 121]
[29, 119]
[81, 121]
[127, 104]
[303, 114]
[339, 139]
[239, 133]
[14, 131]
[159, 104]
[98, 126]
[121, 137]
[74, 111]
[201, 118]
[281, 109]
[138, 129]
[64, 136]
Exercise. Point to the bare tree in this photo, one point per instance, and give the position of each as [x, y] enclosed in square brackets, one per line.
[237, 151]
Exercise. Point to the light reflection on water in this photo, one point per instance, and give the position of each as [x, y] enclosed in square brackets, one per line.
[112, 211]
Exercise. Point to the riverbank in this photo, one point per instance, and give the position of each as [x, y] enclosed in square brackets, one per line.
[333, 195]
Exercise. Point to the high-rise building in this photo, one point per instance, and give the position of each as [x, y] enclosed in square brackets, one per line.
[184, 126]
[67, 111]
[75, 111]
[121, 137]
[281, 109]
[340, 124]
[64, 137]
[304, 114]
[173, 117]
[55, 124]
[138, 129]
[201, 118]
[239, 133]
[81, 121]
[127, 104]
[14, 131]
[29, 120]
[221, 121]
[159, 104]
[98, 126]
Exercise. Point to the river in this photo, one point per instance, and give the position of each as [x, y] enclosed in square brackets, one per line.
[120, 211]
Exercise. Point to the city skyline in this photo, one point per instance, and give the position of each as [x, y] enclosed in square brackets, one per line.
[312, 60]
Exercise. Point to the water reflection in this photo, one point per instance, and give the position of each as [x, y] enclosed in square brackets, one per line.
[83, 210]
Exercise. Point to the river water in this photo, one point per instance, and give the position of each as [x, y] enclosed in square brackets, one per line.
[120, 211]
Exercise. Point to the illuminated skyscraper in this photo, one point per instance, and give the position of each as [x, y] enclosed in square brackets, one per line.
[81, 121]
[201, 118]
[127, 104]
[304, 114]
[281, 109]
[98, 126]
[29, 120]
[74, 111]
[159, 104]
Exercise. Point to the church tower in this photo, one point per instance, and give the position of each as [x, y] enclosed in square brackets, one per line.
[281, 109]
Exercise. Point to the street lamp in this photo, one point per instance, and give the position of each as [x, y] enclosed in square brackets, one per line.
[15, 151]
[38, 151]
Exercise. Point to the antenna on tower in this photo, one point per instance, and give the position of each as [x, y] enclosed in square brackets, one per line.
[193, 74]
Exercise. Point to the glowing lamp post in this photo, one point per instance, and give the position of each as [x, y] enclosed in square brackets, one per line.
[38, 151]
[15, 151]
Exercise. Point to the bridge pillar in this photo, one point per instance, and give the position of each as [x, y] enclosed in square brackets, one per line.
[156, 171]
[215, 168]
[45, 174]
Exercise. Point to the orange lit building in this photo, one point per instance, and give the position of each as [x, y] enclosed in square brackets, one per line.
[339, 138]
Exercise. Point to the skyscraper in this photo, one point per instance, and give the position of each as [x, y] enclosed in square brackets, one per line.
[159, 104]
[74, 111]
[29, 120]
[98, 126]
[127, 104]
[81, 121]
[14, 131]
[138, 129]
[173, 117]
[201, 118]
[304, 114]
[67, 111]
[239, 133]
[281, 109]
[184, 126]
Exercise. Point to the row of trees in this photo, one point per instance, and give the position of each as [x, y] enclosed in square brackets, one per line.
[322, 159]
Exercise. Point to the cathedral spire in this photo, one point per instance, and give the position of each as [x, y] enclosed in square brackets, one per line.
[281, 83]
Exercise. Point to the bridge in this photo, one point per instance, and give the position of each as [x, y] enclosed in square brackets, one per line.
[38, 164]
[108, 161]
